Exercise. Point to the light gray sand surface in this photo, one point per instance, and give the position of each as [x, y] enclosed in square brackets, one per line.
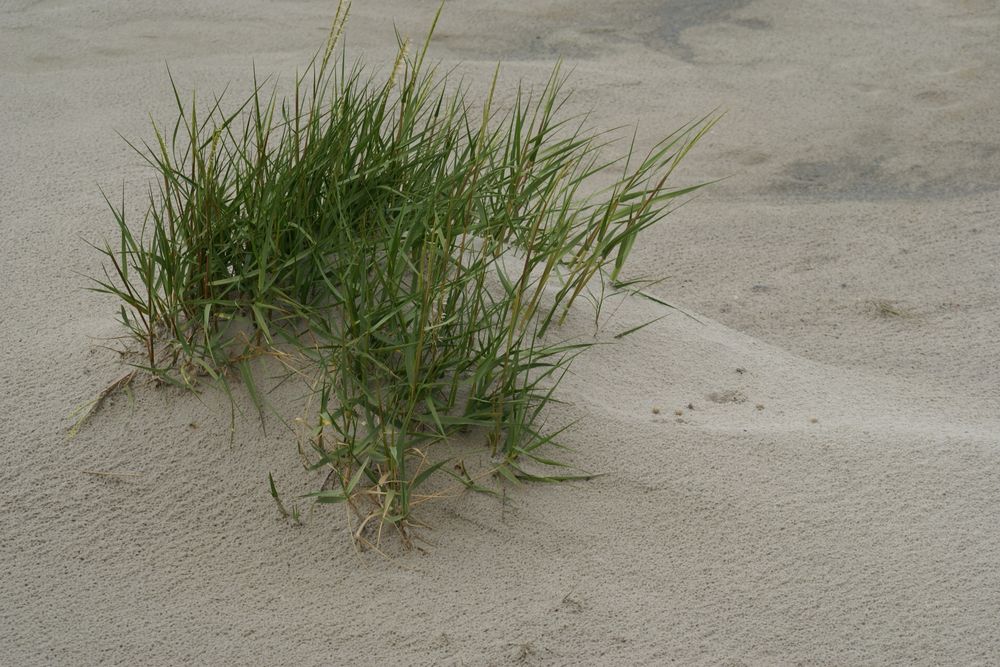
[848, 267]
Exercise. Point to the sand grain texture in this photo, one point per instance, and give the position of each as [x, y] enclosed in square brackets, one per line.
[836, 500]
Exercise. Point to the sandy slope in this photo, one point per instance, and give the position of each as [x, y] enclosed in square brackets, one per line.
[854, 519]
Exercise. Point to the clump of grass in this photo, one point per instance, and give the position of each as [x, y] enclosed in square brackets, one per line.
[413, 251]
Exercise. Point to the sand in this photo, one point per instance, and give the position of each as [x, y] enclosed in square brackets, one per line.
[833, 497]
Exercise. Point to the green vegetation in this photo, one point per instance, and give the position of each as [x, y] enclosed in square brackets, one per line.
[415, 254]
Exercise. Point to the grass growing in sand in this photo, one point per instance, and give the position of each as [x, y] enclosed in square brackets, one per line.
[412, 252]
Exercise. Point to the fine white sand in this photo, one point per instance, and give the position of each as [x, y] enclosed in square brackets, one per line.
[832, 498]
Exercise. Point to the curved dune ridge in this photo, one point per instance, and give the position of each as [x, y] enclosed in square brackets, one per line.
[801, 466]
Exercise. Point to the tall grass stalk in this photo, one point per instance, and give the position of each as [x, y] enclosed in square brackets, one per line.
[414, 250]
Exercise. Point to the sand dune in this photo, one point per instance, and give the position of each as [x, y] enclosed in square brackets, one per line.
[832, 497]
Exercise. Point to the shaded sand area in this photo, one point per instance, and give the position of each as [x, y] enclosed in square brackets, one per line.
[833, 497]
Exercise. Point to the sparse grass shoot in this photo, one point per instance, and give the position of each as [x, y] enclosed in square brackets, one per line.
[887, 309]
